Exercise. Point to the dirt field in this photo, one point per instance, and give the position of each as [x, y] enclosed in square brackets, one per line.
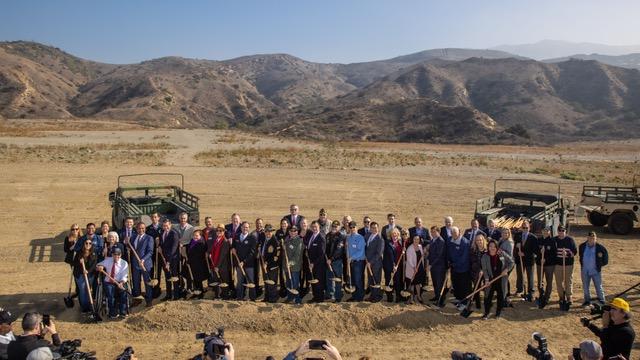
[42, 195]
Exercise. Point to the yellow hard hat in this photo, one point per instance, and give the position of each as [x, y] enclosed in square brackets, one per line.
[620, 304]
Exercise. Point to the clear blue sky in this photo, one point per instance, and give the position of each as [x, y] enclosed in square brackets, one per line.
[119, 31]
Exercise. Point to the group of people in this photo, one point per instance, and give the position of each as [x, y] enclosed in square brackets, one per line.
[327, 258]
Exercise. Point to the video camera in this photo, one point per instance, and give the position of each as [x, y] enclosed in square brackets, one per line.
[126, 354]
[69, 350]
[599, 309]
[541, 352]
[459, 355]
[214, 344]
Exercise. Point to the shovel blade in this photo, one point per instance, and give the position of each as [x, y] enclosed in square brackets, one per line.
[250, 285]
[466, 312]
[68, 302]
[337, 279]
[223, 285]
[314, 281]
[214, 284]
[294, 291]
[269, 282]
[405, 293]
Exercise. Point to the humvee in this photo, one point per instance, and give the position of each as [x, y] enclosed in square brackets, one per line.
[618, 207]
[510, 209]
[140, 199]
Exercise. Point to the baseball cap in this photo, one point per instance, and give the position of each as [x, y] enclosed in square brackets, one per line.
[6, 317]
[561, 228]
[352, 224]
[591, 349]
[335, 223]
[620, 304]
[268, 227]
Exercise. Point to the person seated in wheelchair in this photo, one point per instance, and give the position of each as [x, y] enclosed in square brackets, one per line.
[116, 274]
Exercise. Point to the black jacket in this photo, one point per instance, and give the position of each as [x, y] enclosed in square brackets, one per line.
[566, 243]
[317, 250]
[530, 248]
[438, 254]
[271, 253]
[602, 256]
[335, 246]
[169, 245]
[615, 339]
[548, 246]
[246, 249]
[23, 345]
[443, 233]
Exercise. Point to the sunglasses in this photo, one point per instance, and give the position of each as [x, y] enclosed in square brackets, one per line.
[75, 229]
[293, 230]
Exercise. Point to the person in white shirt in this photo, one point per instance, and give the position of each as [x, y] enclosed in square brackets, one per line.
[115, 283]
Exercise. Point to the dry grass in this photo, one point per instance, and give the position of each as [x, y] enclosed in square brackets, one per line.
[123, 153]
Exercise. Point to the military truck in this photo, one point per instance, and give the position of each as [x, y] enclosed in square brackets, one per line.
[617, 207]
[139, 199]
[511, 208]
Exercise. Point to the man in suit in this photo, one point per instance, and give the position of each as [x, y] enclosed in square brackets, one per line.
[184, 229]
[492, 231]
[437, 262]
[258, 233]
[391, 224]
[233, 230]
[143, 246]
[474, 231]
[526, 249]
[270, 253]
[365, 230]
[316, 251]
[244, 250]
[154, 230]
[374, 252]
[169, 242]
[294, 216]
[126, 234]
[421, 231]
[446, 230]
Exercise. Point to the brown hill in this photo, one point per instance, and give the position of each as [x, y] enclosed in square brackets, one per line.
[421, 96]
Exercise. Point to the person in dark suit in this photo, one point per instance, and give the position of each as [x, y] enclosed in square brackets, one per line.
[169, 242]
[392, 252]
[316, 252]
[387, 229]
[154, 230]
[374, 252]
[335, 257]
[281, 234]
[197, 260]
[244, 250]
[220, 263]
[126, 234]
[270, 254]
[471, 233]
[420, 231]
[258, 233]
[437, 259]
[365, 230]
[233, 230]
[143, 246]
[446, 230]
[492, 231]
[526, 249]
[294, 218]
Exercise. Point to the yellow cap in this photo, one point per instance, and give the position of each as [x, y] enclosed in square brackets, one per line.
[620, 304]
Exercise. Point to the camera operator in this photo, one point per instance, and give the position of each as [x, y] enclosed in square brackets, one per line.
[33, 336]
[588, 350]
[6, 332]
[309, 345]
[616, 335]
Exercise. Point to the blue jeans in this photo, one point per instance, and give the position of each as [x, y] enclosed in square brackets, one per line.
[242, 281]
[294, 283]
[357, 273]
[83, 295]
[112, 291]
[137, 274]
[597, 283]
[336, 290]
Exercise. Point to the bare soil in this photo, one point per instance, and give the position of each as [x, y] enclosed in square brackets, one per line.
[41, 198]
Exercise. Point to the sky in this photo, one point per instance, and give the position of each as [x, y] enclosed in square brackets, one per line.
[128, 31]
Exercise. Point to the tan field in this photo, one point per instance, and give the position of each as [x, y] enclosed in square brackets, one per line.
[52, 178]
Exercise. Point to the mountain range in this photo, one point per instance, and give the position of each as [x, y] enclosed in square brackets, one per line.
[550, 49]
[441, 95]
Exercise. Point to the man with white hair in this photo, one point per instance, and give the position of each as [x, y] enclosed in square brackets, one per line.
[445, 231]
[458, 257]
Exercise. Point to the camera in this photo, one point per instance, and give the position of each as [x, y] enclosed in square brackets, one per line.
[598, 309]
[214, 344]
[69, 350]
[576, 354]
[126, 354]
[459, 355]
[541, 352]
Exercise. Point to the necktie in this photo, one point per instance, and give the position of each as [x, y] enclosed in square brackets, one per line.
[164, 236]
[293, 219]
[113, 271]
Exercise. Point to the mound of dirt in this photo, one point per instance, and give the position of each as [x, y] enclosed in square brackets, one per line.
[334, 319]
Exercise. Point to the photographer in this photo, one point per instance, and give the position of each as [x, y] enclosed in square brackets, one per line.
[616, 335]
[215, 347]
[589, 350]
[6, 332]
[309, 345]
[33, 336]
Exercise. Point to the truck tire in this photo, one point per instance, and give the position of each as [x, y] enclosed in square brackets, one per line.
[620, 223]
[597, 219]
